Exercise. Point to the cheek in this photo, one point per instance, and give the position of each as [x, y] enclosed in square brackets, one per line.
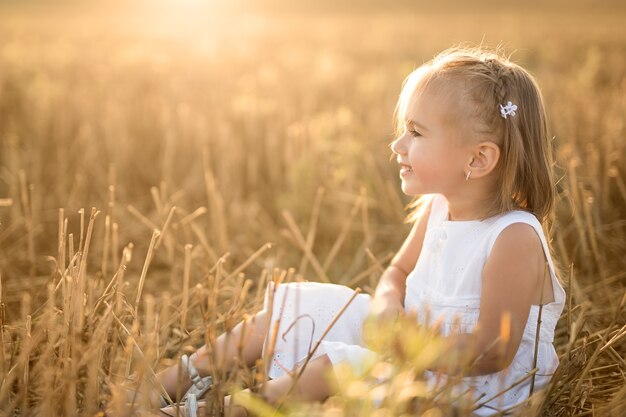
[431, 166]
[422, 160]
[415, 155]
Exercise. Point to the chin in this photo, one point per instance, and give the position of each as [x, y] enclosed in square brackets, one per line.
[409, 192]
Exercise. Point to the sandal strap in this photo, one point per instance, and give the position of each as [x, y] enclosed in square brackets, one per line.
[200, 385]
[191, 406]
[193, 373]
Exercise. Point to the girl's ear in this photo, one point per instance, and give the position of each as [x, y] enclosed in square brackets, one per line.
[483, 160]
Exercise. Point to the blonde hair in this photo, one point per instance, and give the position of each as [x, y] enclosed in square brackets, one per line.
[487, 80]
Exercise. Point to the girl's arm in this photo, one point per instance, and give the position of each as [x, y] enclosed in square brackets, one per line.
[513, 279]
[388, 300]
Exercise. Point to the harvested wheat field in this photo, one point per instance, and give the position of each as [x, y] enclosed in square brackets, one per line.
[162, 161]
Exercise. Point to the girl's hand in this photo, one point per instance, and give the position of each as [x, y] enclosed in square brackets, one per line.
[380, 326]
[386, 309]
[383, 315]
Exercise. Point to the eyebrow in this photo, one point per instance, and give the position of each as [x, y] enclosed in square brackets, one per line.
[416, 124]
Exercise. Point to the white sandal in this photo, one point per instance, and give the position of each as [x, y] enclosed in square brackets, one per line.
[199, 387]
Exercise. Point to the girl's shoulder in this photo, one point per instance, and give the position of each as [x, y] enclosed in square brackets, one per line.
[502, 221]
[517, 240]
[519, 225]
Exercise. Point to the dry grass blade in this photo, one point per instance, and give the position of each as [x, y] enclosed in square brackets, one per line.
[193, 216]
[250, 260]
[310, 238]
[131, 341]
[343, 233]
[144, 271]
[165, 227]
[106, 246]
[216, 203]
[185, 299]
[27, 208]
[3, 367]
[372, 269]
[295, 231]
[143, 219]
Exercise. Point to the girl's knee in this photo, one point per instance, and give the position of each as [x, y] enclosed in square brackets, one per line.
[315, 383]
[322, 361]
[308, 383]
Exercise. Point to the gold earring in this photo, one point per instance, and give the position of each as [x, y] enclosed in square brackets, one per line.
[467, 176]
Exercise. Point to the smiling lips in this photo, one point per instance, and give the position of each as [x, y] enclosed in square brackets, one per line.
[405, 169]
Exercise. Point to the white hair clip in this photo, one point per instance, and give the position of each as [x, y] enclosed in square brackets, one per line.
[509, 109]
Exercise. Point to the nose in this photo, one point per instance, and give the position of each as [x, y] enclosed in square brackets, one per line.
[398, 146]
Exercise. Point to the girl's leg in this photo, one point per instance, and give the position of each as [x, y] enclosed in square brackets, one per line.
[313, 385]
[227, 350]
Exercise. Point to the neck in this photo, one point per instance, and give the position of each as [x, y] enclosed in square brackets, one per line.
[464, 207]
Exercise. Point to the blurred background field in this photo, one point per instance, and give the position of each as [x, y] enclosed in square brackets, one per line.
[230, 126]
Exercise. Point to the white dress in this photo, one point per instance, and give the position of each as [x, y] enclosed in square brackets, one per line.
[446, 283]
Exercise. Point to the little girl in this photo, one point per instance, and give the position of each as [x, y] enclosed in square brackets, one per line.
[473, 142]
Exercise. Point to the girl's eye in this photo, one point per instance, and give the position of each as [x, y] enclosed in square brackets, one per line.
[415, 133]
